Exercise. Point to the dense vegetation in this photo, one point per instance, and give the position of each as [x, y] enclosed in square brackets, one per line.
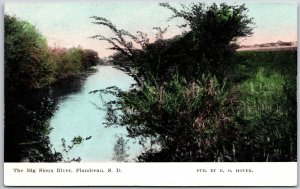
[267, 105]
[196, 98]
[30, 67]
[70, 62]
[31, 64]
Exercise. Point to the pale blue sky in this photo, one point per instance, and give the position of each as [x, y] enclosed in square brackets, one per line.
[68, 24]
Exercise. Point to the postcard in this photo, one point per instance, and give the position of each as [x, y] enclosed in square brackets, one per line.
[150, 94]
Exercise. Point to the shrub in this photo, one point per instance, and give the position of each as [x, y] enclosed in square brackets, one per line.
[185, 121]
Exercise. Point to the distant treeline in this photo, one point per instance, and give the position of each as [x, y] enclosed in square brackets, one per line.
[30, 63]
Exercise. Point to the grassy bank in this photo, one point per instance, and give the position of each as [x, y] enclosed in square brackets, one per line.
[266, 111]
[247, 63]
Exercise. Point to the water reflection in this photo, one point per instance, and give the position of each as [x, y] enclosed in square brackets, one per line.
[79, 115]
[63, 88]
[40, 125]
[27, 120]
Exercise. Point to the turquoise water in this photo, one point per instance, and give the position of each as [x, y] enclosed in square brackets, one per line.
[78, 115]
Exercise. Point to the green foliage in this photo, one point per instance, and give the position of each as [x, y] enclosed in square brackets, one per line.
[266, 111]
[178, 102]
[30, 67]
[206, 48]
[187, 121]
[27, 128]
[30, 64]
[192, 118]
[26, 56]
[253, 119]
[259, 93]
[89, 58]
[214, 31]
[71, 62]
[58, 57]
[247, 63]
[74, 142]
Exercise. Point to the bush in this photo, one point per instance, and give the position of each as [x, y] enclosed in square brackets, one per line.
[190, 118]
[185, 121]
[185, 116]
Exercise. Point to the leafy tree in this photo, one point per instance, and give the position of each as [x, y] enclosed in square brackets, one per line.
[214, 31]
[70, 62]
[90, 58]
[179, 101]
[30, 67]
[58, 55]
[205, 48]
[26, 56]
[27, 67]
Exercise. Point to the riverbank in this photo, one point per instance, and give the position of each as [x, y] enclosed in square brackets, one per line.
[79, 114]
[27, 119]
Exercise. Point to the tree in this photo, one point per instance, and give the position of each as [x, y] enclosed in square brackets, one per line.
[30, 67]
[27, 67]
[58, 56]
[27, 63]
[180, 102]
[206, 47]
[214, 31]
[90, 58]
[70, 62]
[73, 61]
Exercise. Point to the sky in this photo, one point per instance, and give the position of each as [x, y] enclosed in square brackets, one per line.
[69, 24]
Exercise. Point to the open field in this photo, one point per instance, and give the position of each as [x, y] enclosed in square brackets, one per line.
[282, 48]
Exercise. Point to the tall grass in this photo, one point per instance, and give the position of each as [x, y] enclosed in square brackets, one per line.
[247, 63]
[266, 111]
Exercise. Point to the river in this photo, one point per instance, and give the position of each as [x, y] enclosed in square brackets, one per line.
[78, 114]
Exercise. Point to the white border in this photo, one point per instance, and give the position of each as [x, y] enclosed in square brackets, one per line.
[151, 174]
[267, 171]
